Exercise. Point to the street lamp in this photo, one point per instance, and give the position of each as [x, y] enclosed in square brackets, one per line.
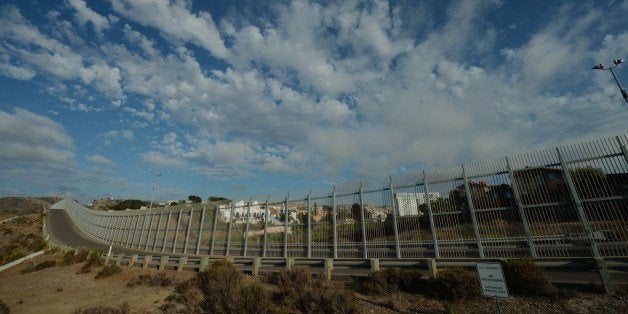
[153, 195]
[616, 62]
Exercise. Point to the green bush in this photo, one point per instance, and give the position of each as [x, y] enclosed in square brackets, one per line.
[11, 252]
[454, 283]
[68, 257]
[298, 290]
[92, 258]
[526, 278]
[108, 270]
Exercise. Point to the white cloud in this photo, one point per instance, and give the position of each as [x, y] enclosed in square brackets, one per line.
[175, 20]
[99, 159]
[159, 160]
[84, 15]
[29, 137]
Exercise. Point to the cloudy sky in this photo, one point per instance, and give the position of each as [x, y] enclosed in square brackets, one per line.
[247, 98]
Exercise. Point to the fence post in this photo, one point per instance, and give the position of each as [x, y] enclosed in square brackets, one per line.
[334, 212]
[161, 213]
[230, 226]
[112, 227]
[127, 228]
[309, 225]
[246, 227]
[519, 204]
[187, 232]
[430, 216]
[214, 226]
[286, 221]
[579, 208]
[623, 149]
[472, 211]
[139, 240]
[394, 218]
[150, 227]
[363, 222]
[163, 245]
[176, 233]
[265, 227]
[200, 230]
[137, 223]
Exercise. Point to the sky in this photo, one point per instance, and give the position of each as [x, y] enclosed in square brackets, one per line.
[248, 98]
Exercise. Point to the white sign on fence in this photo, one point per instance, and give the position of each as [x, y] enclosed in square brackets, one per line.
[492, 280]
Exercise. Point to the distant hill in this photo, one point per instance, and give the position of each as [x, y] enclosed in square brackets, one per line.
[25, 205]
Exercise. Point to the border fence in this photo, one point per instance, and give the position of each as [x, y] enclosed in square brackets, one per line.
[571, 201]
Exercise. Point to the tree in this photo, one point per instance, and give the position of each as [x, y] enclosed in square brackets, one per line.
[218, 199]
[195, 199]
[590, 182]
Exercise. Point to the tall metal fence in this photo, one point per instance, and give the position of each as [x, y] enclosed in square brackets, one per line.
[570, 201]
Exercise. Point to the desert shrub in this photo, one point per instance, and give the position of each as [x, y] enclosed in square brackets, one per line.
[43, 265]
[92, 259]
[108, 270]
[68, 257]
[454, 283]
[159, 280]
[80, 255]
[224, 292]
[392, 279]
[10, 253]
[299, 290]
[4, 308]
[122, 309]
[526, 278]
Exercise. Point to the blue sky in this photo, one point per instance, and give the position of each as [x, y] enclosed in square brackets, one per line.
[248, 98]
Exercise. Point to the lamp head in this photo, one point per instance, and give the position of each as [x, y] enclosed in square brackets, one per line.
[618, 61]
[598, 67]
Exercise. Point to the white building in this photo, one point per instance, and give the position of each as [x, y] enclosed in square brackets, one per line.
[408, 203]
[257, 213]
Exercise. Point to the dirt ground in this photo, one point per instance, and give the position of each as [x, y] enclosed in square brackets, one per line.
[61, 289]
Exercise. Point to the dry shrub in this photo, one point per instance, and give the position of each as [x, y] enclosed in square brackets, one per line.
[108, 270]
[526, 278]
[455, 283]
[4, 308]
[159, 280]
[299, 290]
[68, 257]
[122, 309]
[92, 259]
[224, 292]
[392, 279]
[43, 265]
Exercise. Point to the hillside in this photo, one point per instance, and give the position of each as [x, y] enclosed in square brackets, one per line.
[13, 206]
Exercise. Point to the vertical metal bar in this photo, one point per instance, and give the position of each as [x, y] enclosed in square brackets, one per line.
[112, 227]
[139, 240]
[163, 245]
[150, 226]
[394, 219]
[127, 228]
[214, 226]
[309, 225]
[519, 204]
[200, 230]
[472, 211]
[230, 227]
[246, 227]
[176, 232]
[623, 149]
[137, 222]
[187, 232]
[579, 208]
[431, 216]
[161, 213]
[265, 227]
[286, 220]
[363, 222]
[334, 212]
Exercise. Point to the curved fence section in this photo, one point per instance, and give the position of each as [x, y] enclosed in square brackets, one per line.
[570, 201]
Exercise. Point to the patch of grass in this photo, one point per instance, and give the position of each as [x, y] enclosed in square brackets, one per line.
[122, 309]
[108, 270]
[526, 278]
[92, 259]
[10, 253]
[392, 279]
[158, 280]
[43, 265]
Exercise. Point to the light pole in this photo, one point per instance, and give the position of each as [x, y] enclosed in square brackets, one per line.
[616, 62]
[153, 195]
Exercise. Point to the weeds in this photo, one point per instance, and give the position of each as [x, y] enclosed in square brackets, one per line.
[122, 309]
[455, 283]
[158, 280]
[392, 279]
[43, 265]
[108, 270]
[91, 258]
[4, 308]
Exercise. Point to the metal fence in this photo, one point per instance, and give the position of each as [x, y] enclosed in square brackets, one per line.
[570, 201]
